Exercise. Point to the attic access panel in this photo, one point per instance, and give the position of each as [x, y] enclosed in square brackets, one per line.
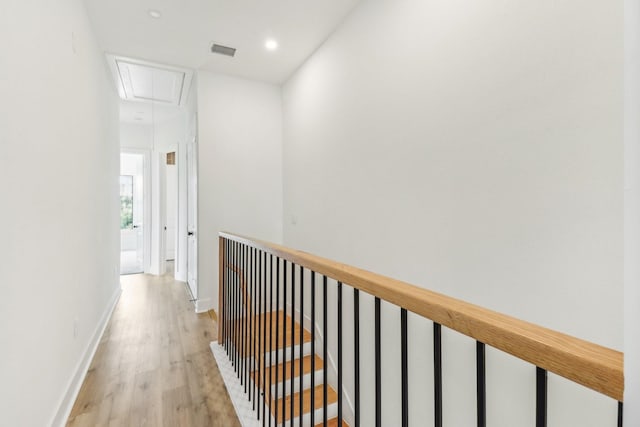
[148, 82]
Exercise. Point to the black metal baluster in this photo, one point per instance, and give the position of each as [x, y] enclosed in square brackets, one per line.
[284, 342]
[313, 345]
[263, 345]
[225, 296]
[257, 378]
[404, 369]
[293, 344]
[481, 385]
[249, 298]
[237, 311]
[241, 316]
[227, 302]
[620, 413]
[300, 356]
[243, 293]
[222, 283]
[230, 280]
[247, 321]
[252, 333]
[339, 391]
[257, 356]
[356, 355]
[261, 329]
[275, 398]
[541, 397]
[230, 299]
[235, 307]
[378, 364]
[437, 373]
[270, 348]
[324, 349]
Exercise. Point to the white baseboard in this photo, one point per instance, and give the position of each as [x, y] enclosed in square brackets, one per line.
[203, 305]
[73, 388]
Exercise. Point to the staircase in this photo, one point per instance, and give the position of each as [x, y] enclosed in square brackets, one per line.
[282, 378]
[285, 381]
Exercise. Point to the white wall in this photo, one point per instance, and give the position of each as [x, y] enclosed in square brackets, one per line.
[632, 213]
[59, 188]
[474, 148]
[161, 135]
[240, 168]
[138, 136]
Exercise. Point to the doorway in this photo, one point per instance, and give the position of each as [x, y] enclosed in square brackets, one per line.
[171, 215]
[132, 213]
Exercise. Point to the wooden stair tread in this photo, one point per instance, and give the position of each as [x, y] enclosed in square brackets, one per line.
[268, 321]
[306, 369]
[333, 423]
[294, 399]
[284, 340]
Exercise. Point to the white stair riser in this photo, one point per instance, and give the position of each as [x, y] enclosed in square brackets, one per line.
[306, 350]
[332, 412]
[306, 384]
[270, 361]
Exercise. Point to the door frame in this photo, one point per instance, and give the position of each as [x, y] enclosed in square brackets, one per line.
[192, 148]
[146, 204]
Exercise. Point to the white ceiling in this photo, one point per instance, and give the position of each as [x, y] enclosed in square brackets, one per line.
[184, 34]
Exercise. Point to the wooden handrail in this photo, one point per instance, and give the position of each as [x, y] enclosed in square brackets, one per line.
[596, 367]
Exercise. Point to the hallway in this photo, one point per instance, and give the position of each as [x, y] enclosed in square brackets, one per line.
[153, 366]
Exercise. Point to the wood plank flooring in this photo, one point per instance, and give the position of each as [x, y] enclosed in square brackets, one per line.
[153, 366]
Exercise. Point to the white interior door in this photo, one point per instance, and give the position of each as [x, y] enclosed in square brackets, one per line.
[172, 211]
[192, 218]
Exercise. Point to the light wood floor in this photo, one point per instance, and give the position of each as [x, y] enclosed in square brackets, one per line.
[153, 366]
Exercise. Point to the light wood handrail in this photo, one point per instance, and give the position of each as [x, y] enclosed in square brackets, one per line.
[596, 367]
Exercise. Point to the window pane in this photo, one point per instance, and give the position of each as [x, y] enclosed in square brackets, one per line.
[126, 202]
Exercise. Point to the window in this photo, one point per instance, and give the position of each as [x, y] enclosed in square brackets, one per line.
[126, 202]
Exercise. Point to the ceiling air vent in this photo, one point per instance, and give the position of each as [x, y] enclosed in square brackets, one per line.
[223, 50]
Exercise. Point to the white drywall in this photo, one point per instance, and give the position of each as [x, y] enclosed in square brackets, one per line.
[59, 187]
[473, 148]
[240, 168]
[632, 213]
[138, 136]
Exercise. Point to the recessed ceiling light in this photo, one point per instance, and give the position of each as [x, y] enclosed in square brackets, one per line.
[271, 44]
[156, 14]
